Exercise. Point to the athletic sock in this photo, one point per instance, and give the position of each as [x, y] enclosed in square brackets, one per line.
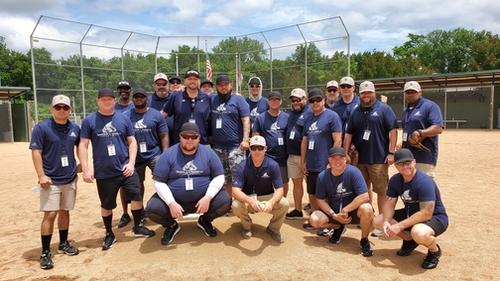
[63, 236]
[107, 223]
[46, 242]
[137, 214]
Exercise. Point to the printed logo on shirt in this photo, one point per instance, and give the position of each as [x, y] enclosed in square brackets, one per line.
[254, 112]
[375, 114]
[140, 124]
[314, 126]
[189, 169]
[340, 188]
[109, 130]
[221, 107]
[72, 134]
[265, 176]
[275, 126]
[418, 113]
[406, 196]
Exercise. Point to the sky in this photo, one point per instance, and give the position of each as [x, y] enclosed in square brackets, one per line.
[371, 25]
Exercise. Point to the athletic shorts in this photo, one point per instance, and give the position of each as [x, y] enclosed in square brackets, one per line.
[108, 189]
[284, 174]
[58, 197]
[311, 180]
[294, 167]
[433, 223]
[377, 175]
[230, 159]
[428, 169]
[141, 170]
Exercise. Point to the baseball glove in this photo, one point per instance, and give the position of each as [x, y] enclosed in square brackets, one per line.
[416, 143]
[353, 154]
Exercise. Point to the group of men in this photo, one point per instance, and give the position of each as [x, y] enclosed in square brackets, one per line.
[219, 152]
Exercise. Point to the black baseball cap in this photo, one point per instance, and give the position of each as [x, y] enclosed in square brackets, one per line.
[189, 127]
[402, 155]
[254, 80]
[175, 77]
[222, 79]
[204, 81]
[336, 150]
[123, 83]
[139, 91]
[106, 92]
[275, 95]
[192, 72]
[315, 93]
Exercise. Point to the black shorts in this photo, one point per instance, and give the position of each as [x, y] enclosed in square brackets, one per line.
[311, 180]
[108, 189]
[353, 214]
[433, 223]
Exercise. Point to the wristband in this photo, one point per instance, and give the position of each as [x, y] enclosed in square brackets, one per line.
[390, 153]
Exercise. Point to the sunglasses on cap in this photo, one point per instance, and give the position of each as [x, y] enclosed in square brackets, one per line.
[257, 147]
[345, 86]
[254, 86]
[65, 107]
[404, 163]
[186, 137]
[162, 84]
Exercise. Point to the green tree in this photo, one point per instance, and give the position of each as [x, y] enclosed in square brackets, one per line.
[486, 53]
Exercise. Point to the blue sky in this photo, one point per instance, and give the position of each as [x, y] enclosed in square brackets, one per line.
[379, 25]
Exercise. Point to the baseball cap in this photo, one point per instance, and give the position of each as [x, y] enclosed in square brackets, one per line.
[336, 150]
[61, 99]
[274, 95]
[106, 92]
[315, 93]
[366, 86]
[160, 76]
[412, 85]
[139, 91]
[257, 140]
[192, 72]
[298, 93]
[402, 155]
[254, 80]
[332, 83]
[222, 79]
[204, 81]
[123, 83]
[189, 127]
[347, 80]
[175, 77]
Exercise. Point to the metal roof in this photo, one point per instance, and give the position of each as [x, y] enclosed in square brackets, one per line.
[7, 93]
[436, 81]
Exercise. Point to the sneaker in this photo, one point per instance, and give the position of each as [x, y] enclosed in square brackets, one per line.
[432, 259]
[324, 232]
[109, 240]
[66, 248]
[246, 233]
[46, 260]
[366, 249]
[206, 227]
[337, 234]
[124, 220]
[377, 233]
[169, 234]
[407, 248]
[143, 217]
[142, 231]
[307, 207]
[307, 225]
[277, 236]
[294, 215]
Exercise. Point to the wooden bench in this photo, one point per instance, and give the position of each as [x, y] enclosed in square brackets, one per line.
[456, 121]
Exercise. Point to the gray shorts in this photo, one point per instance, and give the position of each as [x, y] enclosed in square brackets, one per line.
[230, 159]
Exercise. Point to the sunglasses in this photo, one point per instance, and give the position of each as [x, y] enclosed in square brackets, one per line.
[175, 82]
[332, 90]
[186, 137]
[345, 86]
[315, 100]
[161, 84]
[295, 101]
[65, 108]
[254, 86]
[404, 163]
[257, 147]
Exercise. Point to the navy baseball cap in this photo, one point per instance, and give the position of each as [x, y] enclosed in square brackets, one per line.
[106, 92]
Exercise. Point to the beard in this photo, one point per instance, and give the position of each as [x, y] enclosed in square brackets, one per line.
[140, 106]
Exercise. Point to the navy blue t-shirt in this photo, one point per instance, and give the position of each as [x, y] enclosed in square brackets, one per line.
[344, 110]
[230, 133]
[273, 129]
[256, 108]
[295, 128]
[123, 108]
[258, 180]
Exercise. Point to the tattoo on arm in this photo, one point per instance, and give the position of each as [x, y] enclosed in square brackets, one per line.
[427, 206]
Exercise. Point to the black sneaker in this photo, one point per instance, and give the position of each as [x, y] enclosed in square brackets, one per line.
[295, 215]
[366, 249]
[109, 240]
[46, 260]
[66, 248]
[307, 207]
[337, 234]
[407, 248]
[432, 259]
[142, 231]
[206, 227]
[307, 225]
[143, 217]
[169, 234]
[323, 232]
[124, 220]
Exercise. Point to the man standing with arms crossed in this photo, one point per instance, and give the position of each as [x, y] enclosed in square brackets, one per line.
[53, 152]
[114, 151]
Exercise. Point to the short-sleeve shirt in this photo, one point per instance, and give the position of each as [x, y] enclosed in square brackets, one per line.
[421, 188]
[340, 190]
[230, 133]
[174, 168]
[318, 130]
[344, 110]
[154, 101]
[55, 144]
[123, 108]
[273, 129]
[295, 128]
[256, 108]
[147, 127]
[103, 131]
[423, 115]
[258, 180]
[370, 131]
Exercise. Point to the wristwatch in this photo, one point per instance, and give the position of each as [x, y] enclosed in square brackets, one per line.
[332, 213]
[419, 132]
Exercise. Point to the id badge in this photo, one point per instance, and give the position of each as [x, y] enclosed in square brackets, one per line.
[111, 150]
[405, 136]
[192, 121]
[64, 161]
[366, 135]
[143, 147]
[218, 123]
[311, 145]
[188, 183]
[280, 141]
[292, 135]
[253, 196]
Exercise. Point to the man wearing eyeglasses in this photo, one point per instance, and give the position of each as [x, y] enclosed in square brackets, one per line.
[331, 93]
[191, 105]
[188, 178]
[257, 187]
[423, 217]
[256, 102]
[124, 103]
[52, 145]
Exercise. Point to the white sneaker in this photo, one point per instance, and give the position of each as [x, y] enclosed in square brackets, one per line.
[377, 233]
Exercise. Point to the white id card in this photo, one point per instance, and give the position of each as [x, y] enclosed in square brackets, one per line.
[366, 135]
[280, 141]
[192, 121]
[218, 123]
[143, 147]
[292, 135]
[64, 161]
[253, 196]
[111, 150]
[311, 145]
[405, 136]
[188, 183]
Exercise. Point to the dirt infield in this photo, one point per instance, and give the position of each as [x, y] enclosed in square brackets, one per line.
[467, 174]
